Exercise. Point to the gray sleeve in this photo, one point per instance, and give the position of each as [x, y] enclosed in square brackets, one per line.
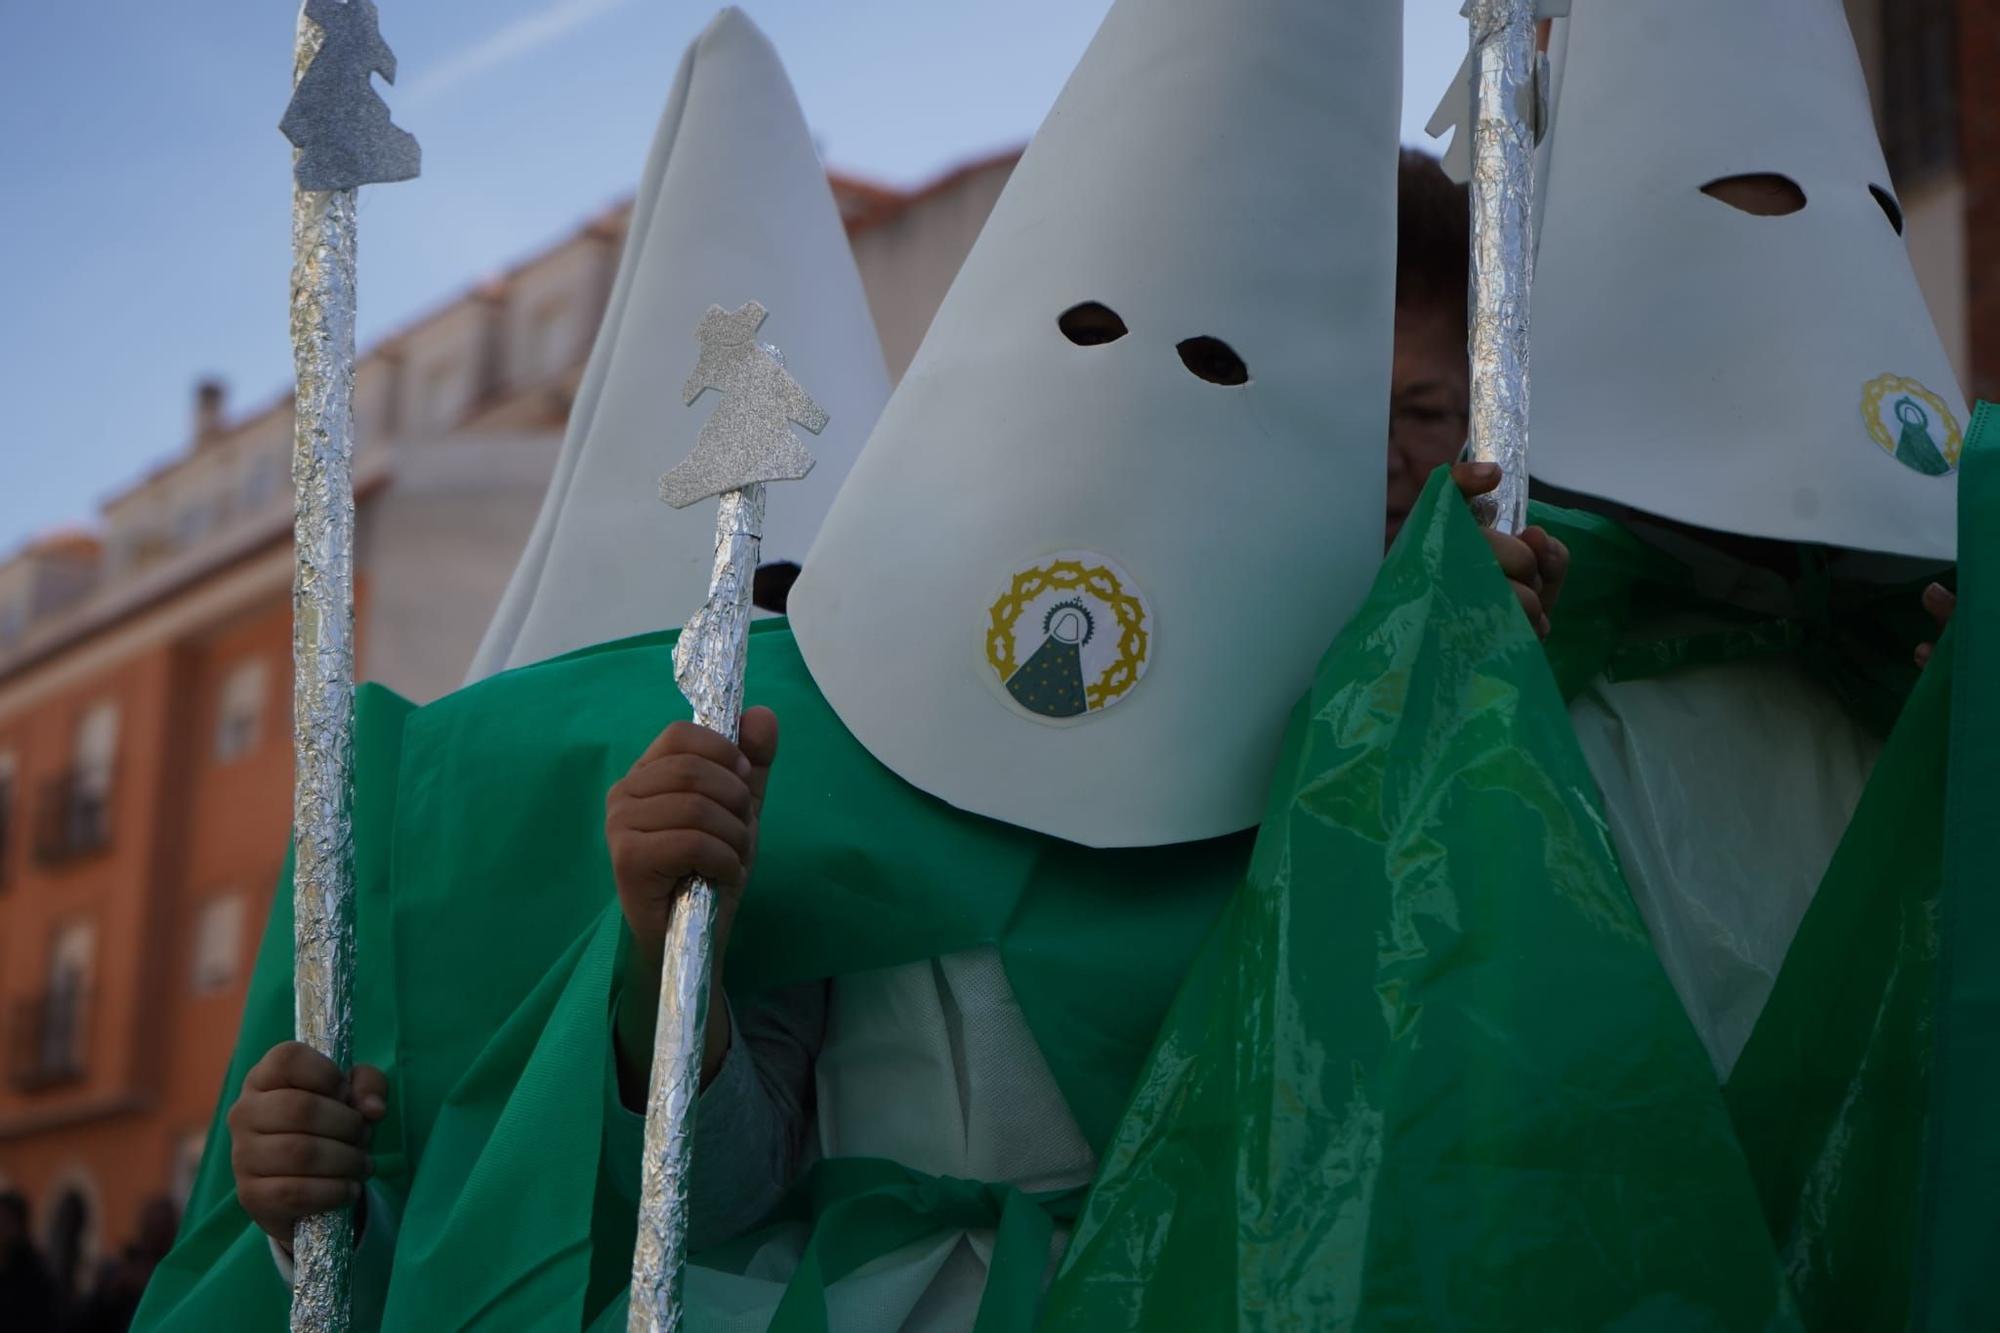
[750, 1124]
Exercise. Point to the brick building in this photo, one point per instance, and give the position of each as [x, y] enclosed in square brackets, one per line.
[145, 749]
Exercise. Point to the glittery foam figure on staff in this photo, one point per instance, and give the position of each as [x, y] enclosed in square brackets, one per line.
[337, 121]
[344, 138]
[745, 443]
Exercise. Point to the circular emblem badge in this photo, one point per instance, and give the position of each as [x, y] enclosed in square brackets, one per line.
[1070, 635]
[1912, 425]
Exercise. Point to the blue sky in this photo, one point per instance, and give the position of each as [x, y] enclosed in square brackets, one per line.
[143, 234]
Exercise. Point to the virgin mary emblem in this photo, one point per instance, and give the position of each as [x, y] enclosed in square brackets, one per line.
[1070, 636]
[1912, 425]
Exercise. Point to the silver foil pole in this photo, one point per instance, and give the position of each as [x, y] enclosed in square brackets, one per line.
[708, 666]
[1504, 121]
[323, 694]
[343, 137]
[745, 443]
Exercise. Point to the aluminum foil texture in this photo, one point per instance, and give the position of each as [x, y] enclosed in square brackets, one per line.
[1504, 119]
[323, 303]
[708, 666]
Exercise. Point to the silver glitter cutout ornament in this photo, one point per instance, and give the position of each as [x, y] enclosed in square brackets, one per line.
[336, 120]
[746, 442]
[748, 439]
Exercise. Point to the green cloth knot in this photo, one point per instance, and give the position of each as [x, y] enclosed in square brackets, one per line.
[863, 1209]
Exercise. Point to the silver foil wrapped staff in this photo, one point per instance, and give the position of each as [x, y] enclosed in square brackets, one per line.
[746, 442]
[1505, 118]
[343, 138]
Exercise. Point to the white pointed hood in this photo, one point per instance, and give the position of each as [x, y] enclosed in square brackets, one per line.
[1072, 584]
[734, 207]
[1775, 376]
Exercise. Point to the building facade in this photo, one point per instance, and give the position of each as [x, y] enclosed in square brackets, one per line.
[145, 674]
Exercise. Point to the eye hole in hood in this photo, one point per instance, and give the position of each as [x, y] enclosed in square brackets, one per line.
[1763, 194]
[1214, 360]
[1890, 208]
[1091, 324]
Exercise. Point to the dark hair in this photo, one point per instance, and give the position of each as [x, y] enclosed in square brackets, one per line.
[15, 1202]
[1433, 234]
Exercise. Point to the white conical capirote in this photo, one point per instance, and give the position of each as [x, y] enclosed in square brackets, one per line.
[1752, 374]
[734, 206]
[1039, 525]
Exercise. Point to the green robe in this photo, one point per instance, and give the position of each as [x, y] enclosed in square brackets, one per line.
[488, 960]
[1464, 1079]
[1401, 1092]
[1428, 1073]
[1868, 1095]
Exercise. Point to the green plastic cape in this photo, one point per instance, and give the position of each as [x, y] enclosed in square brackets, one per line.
[1428, 1073]
[1868, 1097]
[1348, 1121]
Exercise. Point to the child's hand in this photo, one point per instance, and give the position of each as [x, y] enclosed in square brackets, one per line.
[1942, 603]
[1535, 563]
[299, 1136]
[689, 806]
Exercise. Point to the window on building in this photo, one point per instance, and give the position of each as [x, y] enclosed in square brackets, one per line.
[73, 814]
[443, 401]
[218, 943]
[260, 484]
[239, 711]
[1920, 87]
[551, 338]
[64, 1026]
[96, 770]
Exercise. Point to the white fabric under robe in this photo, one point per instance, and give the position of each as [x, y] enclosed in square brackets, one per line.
[931, 1065]
[1727, 789]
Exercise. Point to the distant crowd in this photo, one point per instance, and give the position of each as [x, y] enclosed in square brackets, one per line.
[39, 1295]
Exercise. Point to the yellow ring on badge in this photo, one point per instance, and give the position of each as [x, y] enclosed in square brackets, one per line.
[1871, 411]
[1116, 680]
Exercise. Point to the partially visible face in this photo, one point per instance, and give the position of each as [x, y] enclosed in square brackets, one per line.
[1430, 394]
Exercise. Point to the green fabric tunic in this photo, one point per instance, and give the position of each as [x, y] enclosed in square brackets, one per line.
[1422, 1067]
[489, 957]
